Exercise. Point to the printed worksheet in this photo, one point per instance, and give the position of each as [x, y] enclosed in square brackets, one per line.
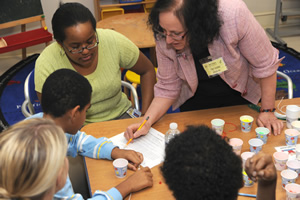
[152, 146]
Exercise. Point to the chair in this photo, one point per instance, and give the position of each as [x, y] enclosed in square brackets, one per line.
[148, 7]
[109, 12]
[135, 98]
[29, 91]
[133, 78]
[289, 82]
[30, 94]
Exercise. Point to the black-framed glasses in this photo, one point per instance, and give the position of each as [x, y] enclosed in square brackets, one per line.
[174, 36]
[81, 49]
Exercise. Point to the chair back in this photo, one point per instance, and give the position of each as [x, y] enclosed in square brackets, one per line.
[289, 83]
[30, 94]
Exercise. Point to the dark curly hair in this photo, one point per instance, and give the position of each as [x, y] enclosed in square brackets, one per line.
[70, 14]
[63, 90]
[199, 164]
[199, 17]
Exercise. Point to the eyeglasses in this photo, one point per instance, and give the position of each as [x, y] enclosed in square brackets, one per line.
[174, 36]
[80, 50]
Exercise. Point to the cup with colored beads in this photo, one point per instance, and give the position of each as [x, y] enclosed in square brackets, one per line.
[280, 159]
[255, 145]
[245, 155]
[247, 181]
[120, 166]
[292, 191]
[246, 123]
[291, 137]
[288, 176]
[218, 125]
[294, 165]
[262, 133]
[236, 144]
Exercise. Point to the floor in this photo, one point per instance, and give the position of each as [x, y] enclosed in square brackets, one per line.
[7, 60]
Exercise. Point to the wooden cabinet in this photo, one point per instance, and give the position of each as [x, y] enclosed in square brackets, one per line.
[99, 4]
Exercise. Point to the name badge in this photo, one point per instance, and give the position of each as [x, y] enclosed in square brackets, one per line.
[215, 67]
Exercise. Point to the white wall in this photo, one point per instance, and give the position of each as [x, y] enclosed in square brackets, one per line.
[264, 11]
[50, 7]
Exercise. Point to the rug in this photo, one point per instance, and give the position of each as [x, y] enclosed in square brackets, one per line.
[290, 65]
[12, 92]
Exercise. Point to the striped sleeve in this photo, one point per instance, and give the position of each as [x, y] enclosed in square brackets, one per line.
[112, 194]
[89, 146]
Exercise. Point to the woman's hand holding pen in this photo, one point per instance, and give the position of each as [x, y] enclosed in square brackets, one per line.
[134, 158]
[133, 132]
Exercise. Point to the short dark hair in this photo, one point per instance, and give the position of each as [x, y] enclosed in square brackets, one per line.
[63, 90]
[200, 18]
[70, 14]
[199, 164]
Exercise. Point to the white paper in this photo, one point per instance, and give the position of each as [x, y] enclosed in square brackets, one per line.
[152, 146]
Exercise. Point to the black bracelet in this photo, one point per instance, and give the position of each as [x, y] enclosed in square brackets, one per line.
[267, 110]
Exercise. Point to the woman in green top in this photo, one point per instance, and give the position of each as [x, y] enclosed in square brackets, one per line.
[97, 54]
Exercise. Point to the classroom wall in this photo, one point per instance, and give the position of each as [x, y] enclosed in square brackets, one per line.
[49, 8]
[263, 10]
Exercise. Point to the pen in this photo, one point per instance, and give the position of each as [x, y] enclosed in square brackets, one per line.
[138, 129]
[247, 195]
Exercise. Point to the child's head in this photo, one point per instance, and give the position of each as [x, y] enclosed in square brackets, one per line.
[33, 159]
[63, 90]
[199, 164]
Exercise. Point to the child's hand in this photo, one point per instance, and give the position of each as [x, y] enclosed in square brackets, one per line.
[139, 180]
[134, 158]
[261, 168]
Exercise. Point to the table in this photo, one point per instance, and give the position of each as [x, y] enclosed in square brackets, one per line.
[134, 27]
[101, 174]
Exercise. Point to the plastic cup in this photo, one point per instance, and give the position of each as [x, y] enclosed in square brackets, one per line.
[291, 137]
[296, 125]
[247, 181]
[218, 125]
[292, 191]
[246, 123]
[297, 151]
[280, 159]
[292, 114]
[120, 166]
[236, 144]
[294, 165]
[245, 155]
[262, 133]
[255, 145]
[288, 176]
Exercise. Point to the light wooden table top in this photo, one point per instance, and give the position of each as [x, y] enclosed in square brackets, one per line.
[133, 26]
[101, 174]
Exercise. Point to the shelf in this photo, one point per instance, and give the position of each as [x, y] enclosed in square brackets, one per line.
[126, 4]
[288, 31]
[99, 4]
[26, 39]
